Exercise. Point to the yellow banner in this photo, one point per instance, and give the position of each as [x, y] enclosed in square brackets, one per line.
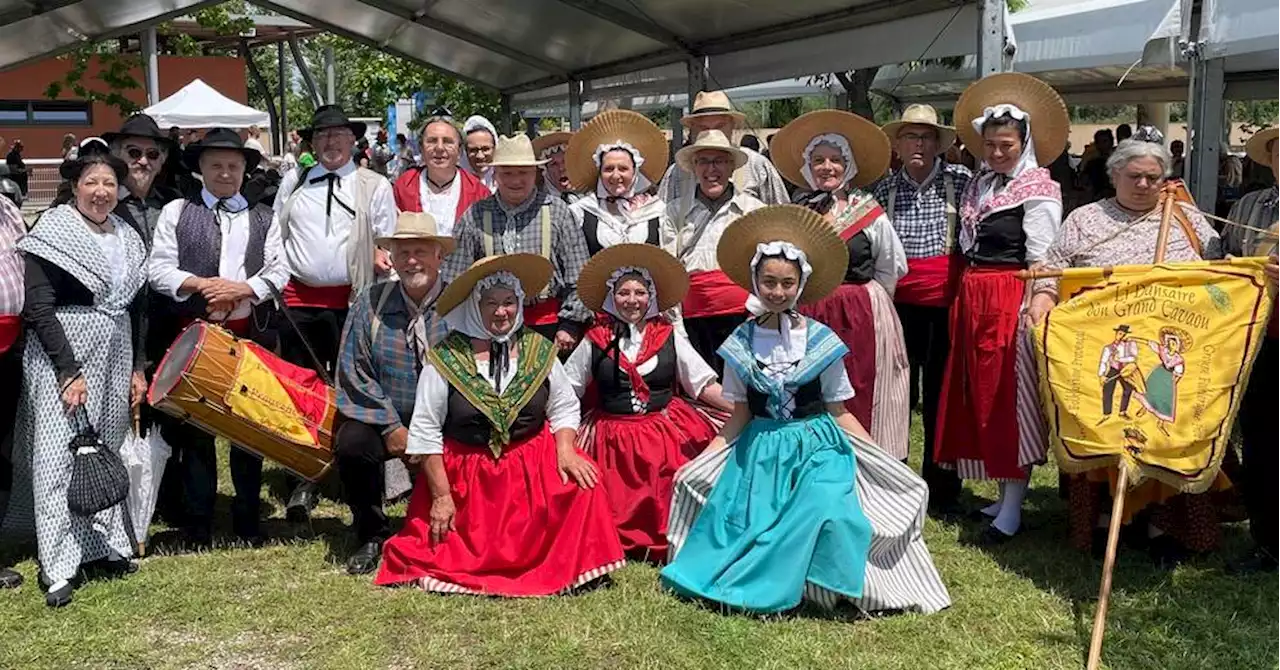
[1143, 366]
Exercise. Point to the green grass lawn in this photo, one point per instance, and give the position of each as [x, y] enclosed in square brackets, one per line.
[1027, 605]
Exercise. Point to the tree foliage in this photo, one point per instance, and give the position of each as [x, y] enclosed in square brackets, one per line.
[114, 73]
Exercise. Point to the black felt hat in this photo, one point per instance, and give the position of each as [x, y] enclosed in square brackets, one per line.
[331, 116]
[220, 138]
[140, 125]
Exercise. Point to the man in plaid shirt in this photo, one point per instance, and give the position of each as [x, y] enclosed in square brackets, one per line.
[922, 199]
[389, 329]
[522, 218]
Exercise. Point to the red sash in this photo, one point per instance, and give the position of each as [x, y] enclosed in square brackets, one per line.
[542, 313]
[656, 334]
[711, 293]
[862, 214]
[929, 282]
[298, 294]
[10, 329]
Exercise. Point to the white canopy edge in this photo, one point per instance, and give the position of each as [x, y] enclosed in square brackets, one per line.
[1245, 32]
[199, 105]
[788, 88]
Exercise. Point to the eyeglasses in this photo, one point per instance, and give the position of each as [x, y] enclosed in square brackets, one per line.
[916, 137]
[137, 153]
[712, 162]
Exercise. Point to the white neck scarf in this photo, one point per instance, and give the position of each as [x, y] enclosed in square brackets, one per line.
[833, 140]
[638, 185]
[757, 306]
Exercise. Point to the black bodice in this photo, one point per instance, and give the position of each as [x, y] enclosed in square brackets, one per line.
[468, 425]
[591, 227]
[1000, 239]
[614, 386]
[862, 263]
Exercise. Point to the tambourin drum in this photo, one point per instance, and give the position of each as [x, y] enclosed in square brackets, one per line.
[238, 390]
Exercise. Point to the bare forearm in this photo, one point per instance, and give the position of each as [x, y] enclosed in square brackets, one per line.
[732, 428]
[848, 422]
[437, 480]
[565, 438]
[712, 395]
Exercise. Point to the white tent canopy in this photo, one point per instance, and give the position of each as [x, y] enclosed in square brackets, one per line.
[198, 105]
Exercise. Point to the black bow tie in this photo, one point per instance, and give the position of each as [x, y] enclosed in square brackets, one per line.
[334, 181]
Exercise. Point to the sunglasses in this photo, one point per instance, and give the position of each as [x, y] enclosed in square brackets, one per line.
[136, 153]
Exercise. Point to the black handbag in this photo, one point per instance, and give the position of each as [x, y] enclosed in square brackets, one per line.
[99, 479]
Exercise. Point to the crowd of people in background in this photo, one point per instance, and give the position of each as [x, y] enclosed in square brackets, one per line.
[579, 349]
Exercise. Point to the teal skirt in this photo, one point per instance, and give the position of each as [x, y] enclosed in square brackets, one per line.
[784, 513]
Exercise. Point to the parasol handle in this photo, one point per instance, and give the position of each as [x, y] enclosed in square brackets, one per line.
[1108, 565]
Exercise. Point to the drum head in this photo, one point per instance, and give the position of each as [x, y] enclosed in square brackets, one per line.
[177, 361]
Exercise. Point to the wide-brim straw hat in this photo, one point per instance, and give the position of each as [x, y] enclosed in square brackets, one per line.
[1050, 124]
[615, 125]
[710, 140]
[418, 226]
[922, 115]
[713, 103]
[532, 270]
[516, 151]
[800, 226]
[871, 150]
[543, 142]
[1256, 147]
[670, 279]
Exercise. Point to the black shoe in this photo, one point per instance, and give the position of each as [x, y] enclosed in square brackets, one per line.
[1259, 561]
[109, 569]
[1166, 552]
[197, 539]
[992, 536]
[366, 558]
[60, 597]
[10, 579]
[253, 540]
[301, 502]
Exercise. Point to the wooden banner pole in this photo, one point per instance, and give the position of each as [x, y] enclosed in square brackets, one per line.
[1108, 565]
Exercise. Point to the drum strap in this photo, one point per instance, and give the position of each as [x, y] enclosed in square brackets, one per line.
[311, 352]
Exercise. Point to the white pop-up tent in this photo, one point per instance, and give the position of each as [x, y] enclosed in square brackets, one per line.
[198, 105]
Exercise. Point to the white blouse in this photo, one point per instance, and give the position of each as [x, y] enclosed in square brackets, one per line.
[631, 227]
[113, 250]
[768, 347]
[443, 207]
[693, 373]
[426, 429]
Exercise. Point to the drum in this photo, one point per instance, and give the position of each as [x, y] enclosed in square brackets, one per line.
[238, 390]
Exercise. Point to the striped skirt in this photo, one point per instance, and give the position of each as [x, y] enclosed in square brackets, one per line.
[877, 366]
[899, 576]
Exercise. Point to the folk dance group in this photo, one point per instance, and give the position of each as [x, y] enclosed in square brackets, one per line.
[583, 355]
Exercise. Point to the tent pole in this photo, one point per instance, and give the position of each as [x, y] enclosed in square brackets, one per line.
[991, 37]
[152, 62]
[258, 81]
[301, 62]
[281, 133]
[330, 77]
[575, 105]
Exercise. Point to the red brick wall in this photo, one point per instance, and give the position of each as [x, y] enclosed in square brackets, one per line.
[227, 75]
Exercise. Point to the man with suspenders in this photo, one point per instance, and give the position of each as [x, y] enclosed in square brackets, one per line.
[522, 218]
[922, 200]
[329, 215]
[390, 328]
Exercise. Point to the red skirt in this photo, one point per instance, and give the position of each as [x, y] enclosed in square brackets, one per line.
[977, 430]
[638, 456]
[520, 530]
[847, 312]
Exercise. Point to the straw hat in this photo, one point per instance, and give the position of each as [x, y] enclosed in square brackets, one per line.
[670, 279]
[532, 270]
[615, 125]
[922, 115]
[710, 139]
[1257, 147]
[798, 225]
[1183, 337]
[418, 226]
[870, 145]
[1049, 122]
[713, 103]
[516, 151]
[543, 142]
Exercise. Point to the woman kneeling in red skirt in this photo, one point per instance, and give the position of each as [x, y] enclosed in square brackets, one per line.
[641, 431]
[506, 505]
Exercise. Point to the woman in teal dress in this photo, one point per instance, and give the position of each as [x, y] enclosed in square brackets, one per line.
[1161, 398]
[776, 510]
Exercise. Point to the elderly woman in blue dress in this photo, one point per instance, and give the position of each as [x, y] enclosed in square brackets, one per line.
[792, 501]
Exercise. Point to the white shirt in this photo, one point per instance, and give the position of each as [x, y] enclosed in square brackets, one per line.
[113, 249]
[886, 249]
[162, 267]
[631, 227]
[426, 429]
[255, 145]
[693, 373]
[768, 348]
[443, 207]
[685, 216]
[316, 251]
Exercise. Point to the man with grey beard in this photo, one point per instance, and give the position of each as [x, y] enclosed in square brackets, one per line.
[390, 327]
